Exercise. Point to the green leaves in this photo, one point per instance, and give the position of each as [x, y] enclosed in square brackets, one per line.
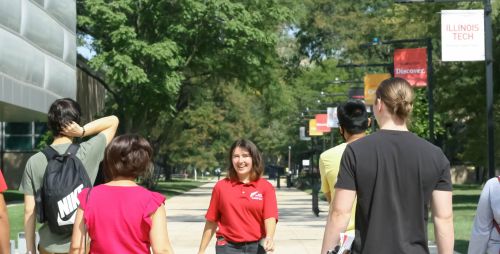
[188, 74]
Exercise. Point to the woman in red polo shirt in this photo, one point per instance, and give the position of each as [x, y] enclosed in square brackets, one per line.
[243, 206]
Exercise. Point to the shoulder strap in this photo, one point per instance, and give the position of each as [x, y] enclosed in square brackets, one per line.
[49, 152]
[72, 149]
[496, 226]
[498, 177]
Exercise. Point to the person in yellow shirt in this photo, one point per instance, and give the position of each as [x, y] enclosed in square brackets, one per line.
[353, 122]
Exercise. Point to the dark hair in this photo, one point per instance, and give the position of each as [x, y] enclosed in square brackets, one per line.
[397, 95]
[257, 164]
[352, 116]
[127, 155]
[62, 112]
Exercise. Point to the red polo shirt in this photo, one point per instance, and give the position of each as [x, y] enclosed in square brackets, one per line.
[3, 185]
[240, 209]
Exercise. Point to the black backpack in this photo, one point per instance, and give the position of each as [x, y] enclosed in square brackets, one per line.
[56, 201]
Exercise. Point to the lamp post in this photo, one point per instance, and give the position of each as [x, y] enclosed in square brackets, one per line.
[488, 52]
[289, 158]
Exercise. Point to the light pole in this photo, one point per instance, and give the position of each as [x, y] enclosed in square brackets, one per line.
[289, 158]
[488, 52]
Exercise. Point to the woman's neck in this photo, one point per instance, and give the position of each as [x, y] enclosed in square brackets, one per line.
[122, 181]
[244, 179]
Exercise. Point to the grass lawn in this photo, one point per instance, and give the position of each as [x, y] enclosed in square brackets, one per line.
[15, 208]
[465, 198]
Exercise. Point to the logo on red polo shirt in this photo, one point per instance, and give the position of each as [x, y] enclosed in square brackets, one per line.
[256, 195]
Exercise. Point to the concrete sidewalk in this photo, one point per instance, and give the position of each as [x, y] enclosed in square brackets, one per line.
[298, 229]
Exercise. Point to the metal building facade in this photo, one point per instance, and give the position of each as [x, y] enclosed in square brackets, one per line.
[37, 57]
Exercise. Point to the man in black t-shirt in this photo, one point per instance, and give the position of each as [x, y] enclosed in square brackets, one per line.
[396, 176]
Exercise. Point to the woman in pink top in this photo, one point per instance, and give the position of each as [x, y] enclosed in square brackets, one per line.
[120, 216]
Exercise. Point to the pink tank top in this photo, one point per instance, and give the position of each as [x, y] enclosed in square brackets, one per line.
[118, 217]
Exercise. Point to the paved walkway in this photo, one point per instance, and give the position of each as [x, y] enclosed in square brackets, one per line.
[298, 230]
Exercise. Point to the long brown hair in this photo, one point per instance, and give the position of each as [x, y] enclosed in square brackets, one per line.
[257, 164]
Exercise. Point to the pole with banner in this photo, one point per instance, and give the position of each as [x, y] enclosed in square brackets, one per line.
[372, 81]
[467, 36]
[415, 65]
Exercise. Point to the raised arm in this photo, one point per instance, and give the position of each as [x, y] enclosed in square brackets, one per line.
[338, 218]
[442, 212]
[106, 125]
[208, 233]
[160, 243]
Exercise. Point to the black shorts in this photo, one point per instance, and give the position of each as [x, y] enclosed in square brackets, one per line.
[224, 247]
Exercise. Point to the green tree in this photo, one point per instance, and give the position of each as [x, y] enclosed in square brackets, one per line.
[337, 29]
[172, 67]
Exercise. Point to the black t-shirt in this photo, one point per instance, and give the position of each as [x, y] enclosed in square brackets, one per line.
[394, 174]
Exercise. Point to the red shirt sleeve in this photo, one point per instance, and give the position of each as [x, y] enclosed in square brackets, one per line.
[213, 213]
[270, 204]
[3, 185]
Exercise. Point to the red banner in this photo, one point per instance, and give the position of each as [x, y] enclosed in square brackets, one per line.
[321, 123]
[411, 64]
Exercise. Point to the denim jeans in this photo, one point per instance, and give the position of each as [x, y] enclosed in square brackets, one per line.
[223, 247]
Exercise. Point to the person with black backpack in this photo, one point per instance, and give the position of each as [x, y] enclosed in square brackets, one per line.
[53, 177]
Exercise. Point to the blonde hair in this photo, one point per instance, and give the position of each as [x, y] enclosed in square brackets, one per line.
[397, 94]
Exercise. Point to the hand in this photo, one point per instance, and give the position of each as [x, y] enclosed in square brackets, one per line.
[72, 130]
[268, 244]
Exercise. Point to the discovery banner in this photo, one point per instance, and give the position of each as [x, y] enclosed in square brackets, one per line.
[411, 64]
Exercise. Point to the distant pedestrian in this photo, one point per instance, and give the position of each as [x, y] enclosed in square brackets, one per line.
[121, 216]
[485, 237]
[64, 122]
[4, 219]
[243, 206]
[395, 175]
[353, 122]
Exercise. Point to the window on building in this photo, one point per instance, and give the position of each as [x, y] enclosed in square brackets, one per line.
[22, 137]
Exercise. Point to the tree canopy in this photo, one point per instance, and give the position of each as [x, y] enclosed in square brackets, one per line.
[195, 75]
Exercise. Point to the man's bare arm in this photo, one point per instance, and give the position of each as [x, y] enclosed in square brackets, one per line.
[338, 218]
[442, 212]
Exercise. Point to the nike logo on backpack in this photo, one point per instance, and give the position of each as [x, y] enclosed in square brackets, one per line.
[67, 207]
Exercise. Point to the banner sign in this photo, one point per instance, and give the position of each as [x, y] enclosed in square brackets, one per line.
[462, 35]
[305, 163]
[321, 123]
[332, 120]
[302, 134]
[371, 84]
[411, 64]
[313, 131]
